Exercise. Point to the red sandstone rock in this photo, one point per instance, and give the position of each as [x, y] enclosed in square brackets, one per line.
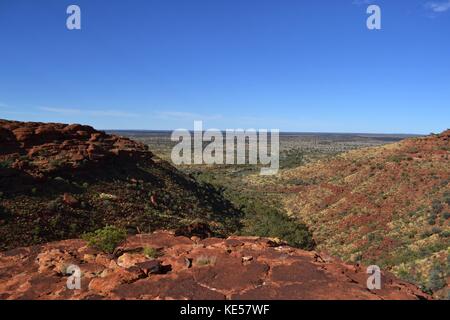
[47, 144]
[243, 268]
[128, 260]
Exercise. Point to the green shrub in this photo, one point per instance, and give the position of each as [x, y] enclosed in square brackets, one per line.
[436, 278]
[432, 220]
[447, 199]
[397, 158]
[436, 206]
[292, 158]
[151, 252]
[105, 239]
[436, 230]
[6, 163]
[205, 261]
[448, 266]
[56, 164]
[298, 182]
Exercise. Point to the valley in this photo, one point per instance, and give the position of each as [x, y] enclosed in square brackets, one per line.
[371, 199]
[365, 199]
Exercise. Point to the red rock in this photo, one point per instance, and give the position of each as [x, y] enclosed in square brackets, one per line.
[112, 280]
[69, 145]
[272, 272]
[128, 260]
[233, 242]
[23, 134]
[151, 267]
[70, 200]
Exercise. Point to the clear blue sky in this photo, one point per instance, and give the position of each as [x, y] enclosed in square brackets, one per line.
[295, 65]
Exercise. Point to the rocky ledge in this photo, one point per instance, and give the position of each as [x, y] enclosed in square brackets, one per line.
[164, 266]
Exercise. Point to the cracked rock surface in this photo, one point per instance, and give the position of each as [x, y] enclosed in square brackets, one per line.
[234, 268]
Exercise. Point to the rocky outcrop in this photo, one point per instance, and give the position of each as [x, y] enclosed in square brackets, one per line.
[184, 268]
[38, 148]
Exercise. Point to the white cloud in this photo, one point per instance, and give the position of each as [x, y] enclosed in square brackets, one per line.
[438, 6]
[94, 113]
[60, 110]
[177, 115]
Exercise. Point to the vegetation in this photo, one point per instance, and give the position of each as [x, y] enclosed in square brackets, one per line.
[262, 211]
[105, 239]
[341, 200]
[151, 252]
[292, 158]
[6, 163]
[436, 207]
[386, 206]
[269, 222]
[261, 214]
[436, 278]
[205, 261]
[148, 196]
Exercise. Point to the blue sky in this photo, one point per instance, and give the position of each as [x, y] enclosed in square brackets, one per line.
[293, 65]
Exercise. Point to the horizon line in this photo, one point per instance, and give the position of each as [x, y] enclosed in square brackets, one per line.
[281, 132]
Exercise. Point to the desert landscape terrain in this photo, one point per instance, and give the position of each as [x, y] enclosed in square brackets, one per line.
[141, 228]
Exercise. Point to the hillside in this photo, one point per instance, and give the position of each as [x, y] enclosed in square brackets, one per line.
[183, 268]
[387, 205]
[59, 181]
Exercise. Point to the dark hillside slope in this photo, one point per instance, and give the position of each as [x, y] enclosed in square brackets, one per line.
[58, 181]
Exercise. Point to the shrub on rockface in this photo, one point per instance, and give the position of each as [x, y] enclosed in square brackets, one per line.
[150, 252]
[6, 163]
[105, 239]
[436, 207]
[447, 198]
